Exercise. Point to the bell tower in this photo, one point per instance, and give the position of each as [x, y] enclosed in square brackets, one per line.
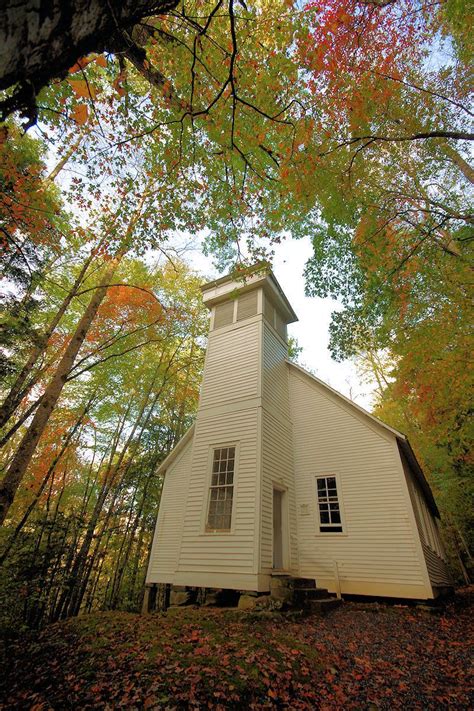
[240, 515]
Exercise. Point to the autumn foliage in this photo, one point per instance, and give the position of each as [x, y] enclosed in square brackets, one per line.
[387, 657]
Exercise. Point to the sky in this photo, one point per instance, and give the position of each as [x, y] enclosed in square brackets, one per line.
[314, 314]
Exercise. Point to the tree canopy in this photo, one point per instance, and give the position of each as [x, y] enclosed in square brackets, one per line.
[347, 122]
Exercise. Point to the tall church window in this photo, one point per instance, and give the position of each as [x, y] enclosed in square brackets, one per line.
[330, 519]
[221, 494]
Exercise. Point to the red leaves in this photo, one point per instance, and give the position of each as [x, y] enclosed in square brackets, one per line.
[352, 50]
[371, 656]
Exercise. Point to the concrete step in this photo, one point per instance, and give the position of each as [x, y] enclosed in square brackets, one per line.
[324, 606]
[302, 594]
[304, 583]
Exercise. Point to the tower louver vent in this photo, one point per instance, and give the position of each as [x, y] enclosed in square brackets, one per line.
[247, 306]
[280, 326]
[224, 314]
[269, 311]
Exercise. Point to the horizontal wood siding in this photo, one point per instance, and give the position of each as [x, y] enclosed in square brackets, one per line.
[437, 568]
[232, 365]
[167, 539]
[277, 469]
[277, 449]
[275, 375]
[377, 546]
[433, 549]
[247, 305]
[231, 552]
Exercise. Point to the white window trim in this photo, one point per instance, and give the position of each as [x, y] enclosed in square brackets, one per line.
[285, 521]
[340, 498]
[207, 494]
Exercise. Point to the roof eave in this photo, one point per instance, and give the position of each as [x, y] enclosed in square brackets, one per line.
[175, 451]
[402, 440]
[410, 456]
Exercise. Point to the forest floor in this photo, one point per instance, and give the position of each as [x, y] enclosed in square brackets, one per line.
[361, 656]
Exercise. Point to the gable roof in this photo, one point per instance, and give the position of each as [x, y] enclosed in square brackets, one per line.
[402, 440]
[176, 451]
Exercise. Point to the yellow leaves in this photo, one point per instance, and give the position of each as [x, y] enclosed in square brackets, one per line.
[80, 114]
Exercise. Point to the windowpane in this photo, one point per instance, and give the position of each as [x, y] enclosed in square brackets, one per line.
[221, 490]
[328, 503]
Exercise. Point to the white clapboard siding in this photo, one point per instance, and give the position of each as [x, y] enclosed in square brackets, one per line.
[288, 428]
[277, 469]
[277, 449]
[429, 534]
[275, 375]
[169, 526]
[247, 305]
[232, 365]
[437, 568]
[378, 549]
[231, 552]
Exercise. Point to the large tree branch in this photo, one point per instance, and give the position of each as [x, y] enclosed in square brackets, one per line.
[374, 137]
[42, 40]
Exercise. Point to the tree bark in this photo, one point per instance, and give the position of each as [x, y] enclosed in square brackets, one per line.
[21, 460]
[19, 390]
[459, 161]
[43, 39]
[77, 567]
[46, 479]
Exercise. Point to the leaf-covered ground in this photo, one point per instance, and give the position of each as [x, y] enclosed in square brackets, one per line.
[362, 656]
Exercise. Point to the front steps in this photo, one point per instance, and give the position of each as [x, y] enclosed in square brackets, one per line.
[302, 594]
[287, 593]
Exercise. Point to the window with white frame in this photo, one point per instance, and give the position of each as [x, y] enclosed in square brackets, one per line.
[330, 519]
[221, 492]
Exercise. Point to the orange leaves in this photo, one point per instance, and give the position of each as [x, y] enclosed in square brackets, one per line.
[82, 63]
[82, 89]
[131, 304]
[79, 65]
[80, 114]
[118, 83]
[26, 201]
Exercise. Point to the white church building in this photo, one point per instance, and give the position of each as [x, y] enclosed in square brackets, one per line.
[282, 474]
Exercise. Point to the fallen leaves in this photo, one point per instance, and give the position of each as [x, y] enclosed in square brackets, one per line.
[354, 659]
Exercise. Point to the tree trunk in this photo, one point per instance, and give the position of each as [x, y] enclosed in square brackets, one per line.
[459, 161]
[45, 481]
[75, 576]
[42, 40]
[20, 462]
[18, 389]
